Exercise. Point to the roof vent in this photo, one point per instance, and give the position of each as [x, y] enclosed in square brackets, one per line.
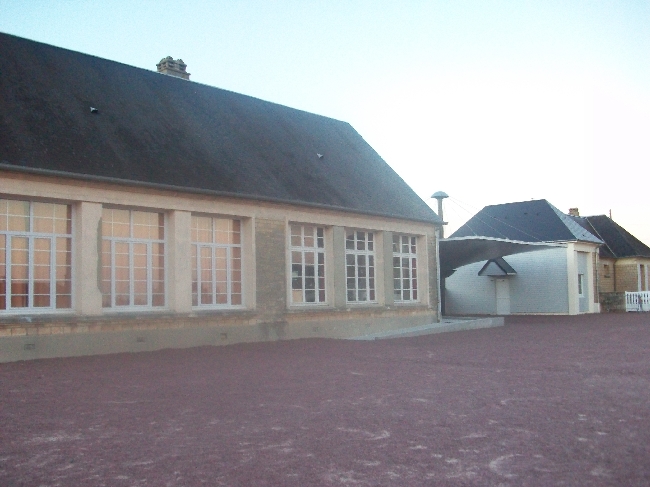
[173, 67]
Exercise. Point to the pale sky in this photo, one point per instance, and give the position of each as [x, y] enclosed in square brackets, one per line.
[489, 101]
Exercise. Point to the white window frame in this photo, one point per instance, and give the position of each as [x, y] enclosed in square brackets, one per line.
[318, 253]
[213, 246]
[410, 253]
[643, 277]
[354, 267]
[581, 285]
[131, 241]
[31, 236]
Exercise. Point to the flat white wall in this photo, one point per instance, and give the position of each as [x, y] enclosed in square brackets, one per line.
[541, 282]
[469, 293]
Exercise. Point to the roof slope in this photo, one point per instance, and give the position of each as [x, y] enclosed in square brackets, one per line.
[526, 221]
[618, 241]
[156, 129]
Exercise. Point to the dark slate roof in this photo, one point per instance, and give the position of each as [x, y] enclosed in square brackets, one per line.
[618, 241]
[159, 130]
[526, 221]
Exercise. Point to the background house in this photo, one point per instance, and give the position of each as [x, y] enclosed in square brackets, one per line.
[559, 279]
[140, 210]
[624, 261]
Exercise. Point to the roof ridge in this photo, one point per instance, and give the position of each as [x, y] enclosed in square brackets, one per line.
[576, 230]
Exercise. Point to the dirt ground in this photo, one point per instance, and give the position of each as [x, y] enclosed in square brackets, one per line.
[543, 401]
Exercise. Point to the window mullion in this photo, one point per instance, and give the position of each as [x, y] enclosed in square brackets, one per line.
[304, 275]
[131, 275]
[213, 274]
[8, 270]
[228, 275]
[112, 250]
[52, 272]
[149, 265]
[30, 270]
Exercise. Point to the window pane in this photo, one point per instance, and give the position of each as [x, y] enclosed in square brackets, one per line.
[349, 240]
[296, 236]
[18, 215]
[43, 217]
[201, 229]
[309, 237]
[222, 230]
[3, 216]
[19, 272]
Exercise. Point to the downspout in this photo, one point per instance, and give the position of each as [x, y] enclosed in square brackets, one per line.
[441, 288]
[440, 233]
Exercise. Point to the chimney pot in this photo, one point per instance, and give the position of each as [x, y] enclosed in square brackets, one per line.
[173, 67]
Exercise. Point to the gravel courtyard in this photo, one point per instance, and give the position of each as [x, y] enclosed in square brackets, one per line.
[542, 401]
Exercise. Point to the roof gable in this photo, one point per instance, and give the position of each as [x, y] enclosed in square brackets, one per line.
[497, 267]
[155, 129]
[526, 221]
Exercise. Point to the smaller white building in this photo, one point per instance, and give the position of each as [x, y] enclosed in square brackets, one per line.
[561, 279]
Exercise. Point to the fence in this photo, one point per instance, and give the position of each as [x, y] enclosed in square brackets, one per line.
[637, 301]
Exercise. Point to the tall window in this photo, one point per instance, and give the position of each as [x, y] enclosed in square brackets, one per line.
[643, 277]
[581, 285]
[307, 264]
[35, 256]
[216, 262]
[360, 266]
[133, 259]
[405, 268]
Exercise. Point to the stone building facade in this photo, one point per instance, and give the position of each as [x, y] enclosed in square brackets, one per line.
[215, 219]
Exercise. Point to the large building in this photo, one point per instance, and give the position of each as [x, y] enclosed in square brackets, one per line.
[140, 210]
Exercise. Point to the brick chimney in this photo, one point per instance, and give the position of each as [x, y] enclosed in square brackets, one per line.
[574, 212]
[173, 67]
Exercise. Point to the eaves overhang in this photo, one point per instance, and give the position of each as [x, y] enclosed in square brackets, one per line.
[435, 220]
[456, 252]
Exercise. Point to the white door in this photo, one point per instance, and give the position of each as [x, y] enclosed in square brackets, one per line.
[503, 296]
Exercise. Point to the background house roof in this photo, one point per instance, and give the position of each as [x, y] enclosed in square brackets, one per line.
[526, 221]
[150, 128]
[618, 241]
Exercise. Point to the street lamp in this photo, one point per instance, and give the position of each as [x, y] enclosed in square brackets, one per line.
[440, 195]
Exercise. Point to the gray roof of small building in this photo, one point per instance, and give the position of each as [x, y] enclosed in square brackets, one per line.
[526, 221]
[618, 241]
[158, 130]
[497, 267]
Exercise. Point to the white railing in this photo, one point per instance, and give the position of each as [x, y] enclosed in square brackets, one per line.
[637, 301]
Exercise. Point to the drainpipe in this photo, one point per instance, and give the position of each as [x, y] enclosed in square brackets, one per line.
[440, 195]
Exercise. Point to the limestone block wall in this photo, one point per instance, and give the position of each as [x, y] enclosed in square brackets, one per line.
[627, 274]
[606, 276]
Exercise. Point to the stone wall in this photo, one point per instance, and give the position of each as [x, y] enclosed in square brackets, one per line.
[612, 302]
